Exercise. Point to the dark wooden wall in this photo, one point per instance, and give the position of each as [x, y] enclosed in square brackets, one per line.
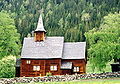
[53, 62]
[77, 62]
[27, 69]
[17, 73]
[115, 67]
[66, 71]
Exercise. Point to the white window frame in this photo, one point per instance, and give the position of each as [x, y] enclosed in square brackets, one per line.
[53, 67]
[28, 61]
[36, 68]
[76, 69]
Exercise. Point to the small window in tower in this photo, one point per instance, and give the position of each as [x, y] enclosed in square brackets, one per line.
[76, 69]
[53, 68]
[36, 68]
[28, 61]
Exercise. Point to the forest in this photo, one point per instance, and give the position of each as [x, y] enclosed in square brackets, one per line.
[68, 18]
[95, 21]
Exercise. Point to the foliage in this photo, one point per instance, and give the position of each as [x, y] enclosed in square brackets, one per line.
[96, 70]
[48, 74]
[103, 43]
[9, 38]
[7, 67]
[61, 17]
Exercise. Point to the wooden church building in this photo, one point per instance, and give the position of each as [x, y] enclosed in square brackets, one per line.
[41, 55]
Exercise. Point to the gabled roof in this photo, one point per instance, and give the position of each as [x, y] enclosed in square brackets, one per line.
[40, 26]
[51, 47]
[75, 50]
[66, 65]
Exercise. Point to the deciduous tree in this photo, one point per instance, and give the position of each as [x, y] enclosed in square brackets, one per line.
[7, 67]
[104, 43]
[9, 38]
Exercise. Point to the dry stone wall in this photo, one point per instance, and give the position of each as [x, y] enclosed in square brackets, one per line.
[59, 78]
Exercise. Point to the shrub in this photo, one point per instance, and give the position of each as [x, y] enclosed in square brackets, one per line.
[7, 67]
[48, 74]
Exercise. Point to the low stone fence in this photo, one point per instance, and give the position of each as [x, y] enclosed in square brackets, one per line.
[59, 78]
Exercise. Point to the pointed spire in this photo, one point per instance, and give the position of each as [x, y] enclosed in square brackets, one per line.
[40, 26]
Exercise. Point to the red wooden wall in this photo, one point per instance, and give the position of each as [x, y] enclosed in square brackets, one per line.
[27, 69]
[78, 63]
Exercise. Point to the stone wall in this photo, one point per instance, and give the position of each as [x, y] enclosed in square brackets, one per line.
[59, 78]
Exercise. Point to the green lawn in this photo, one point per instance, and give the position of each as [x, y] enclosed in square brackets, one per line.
[87, 82]
[99, 81]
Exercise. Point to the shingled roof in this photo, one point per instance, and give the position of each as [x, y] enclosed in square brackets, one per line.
[66, 65]
[52, 47]
[74, 50]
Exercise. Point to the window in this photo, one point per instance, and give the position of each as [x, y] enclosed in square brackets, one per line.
[53, 68]
[36, 68]
[28, 61]
[76, 69]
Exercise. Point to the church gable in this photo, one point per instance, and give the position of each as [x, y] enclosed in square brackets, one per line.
[51, 47]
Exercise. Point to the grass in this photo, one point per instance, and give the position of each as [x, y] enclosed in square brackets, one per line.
[87, 82]
[98, 81]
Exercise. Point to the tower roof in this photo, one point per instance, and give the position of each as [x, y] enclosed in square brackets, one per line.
[40, 26]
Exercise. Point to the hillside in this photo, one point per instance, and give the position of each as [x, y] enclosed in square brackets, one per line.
[68, 18]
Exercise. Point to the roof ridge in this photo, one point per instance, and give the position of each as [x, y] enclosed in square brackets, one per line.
[75, 42]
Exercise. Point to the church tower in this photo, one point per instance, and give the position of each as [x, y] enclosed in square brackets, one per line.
[40, 31]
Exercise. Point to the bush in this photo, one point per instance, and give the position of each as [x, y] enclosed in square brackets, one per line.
[48, 74]
[7, 67]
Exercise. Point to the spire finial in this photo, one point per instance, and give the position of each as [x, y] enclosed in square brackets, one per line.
[40, 26]
[40, 31]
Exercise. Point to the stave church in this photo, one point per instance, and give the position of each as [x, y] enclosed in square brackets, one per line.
[42, 55]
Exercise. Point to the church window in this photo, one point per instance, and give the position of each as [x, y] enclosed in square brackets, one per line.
[53, 68]
[28, 61]
[76, 69]
[36, 68]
